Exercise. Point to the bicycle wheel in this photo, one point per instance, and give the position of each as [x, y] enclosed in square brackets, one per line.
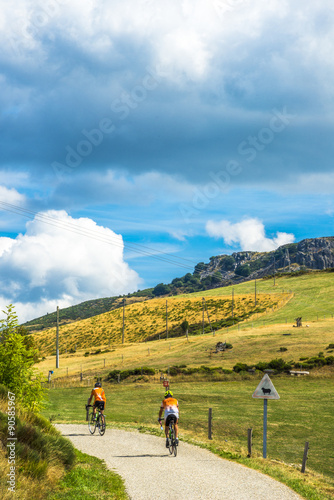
[171, 439]
[102, 424]
[174, 447]
[91, 423]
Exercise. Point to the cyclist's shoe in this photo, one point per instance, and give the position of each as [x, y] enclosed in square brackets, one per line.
[167, 443]
[177, 441]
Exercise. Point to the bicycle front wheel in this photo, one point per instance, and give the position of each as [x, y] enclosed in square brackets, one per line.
[102, 425]
[91, 423]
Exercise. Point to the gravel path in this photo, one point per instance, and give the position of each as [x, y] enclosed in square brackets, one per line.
[195, 474]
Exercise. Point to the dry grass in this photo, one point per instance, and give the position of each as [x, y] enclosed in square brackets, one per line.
[148, 319]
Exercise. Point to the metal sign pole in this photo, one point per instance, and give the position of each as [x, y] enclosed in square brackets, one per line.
[265, 408]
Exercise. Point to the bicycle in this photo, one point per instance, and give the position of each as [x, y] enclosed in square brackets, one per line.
[99, 421]
[171, 436]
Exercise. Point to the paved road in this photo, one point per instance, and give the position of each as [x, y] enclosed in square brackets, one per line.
[150, 473]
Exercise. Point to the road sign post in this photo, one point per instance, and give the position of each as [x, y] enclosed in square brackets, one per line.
[265, 407]
[265, 390]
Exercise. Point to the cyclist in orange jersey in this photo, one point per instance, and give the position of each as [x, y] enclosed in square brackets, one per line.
[170, 406]
[99, 398]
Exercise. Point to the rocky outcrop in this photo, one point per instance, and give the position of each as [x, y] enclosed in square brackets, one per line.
[308, 254]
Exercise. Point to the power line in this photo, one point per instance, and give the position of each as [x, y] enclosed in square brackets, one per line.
[141, 249]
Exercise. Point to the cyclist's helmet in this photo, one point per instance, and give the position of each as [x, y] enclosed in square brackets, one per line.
[168, 394]
[98, 384]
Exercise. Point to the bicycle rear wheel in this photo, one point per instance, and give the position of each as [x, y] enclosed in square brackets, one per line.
[91, 423]
[175, 447]
[171, 440]
[102, 424]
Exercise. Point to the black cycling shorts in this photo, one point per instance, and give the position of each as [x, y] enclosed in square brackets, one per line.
[99, 404]
[171, 417]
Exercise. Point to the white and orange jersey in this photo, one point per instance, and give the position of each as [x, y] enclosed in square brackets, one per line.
[98, 394]
[171, 407]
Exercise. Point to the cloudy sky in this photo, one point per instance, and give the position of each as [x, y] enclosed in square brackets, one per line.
[141, 137]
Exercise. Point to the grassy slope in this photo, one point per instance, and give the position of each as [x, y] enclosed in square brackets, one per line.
[305, 411]
[147, 319]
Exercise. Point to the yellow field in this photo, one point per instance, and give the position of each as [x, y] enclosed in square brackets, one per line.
[147, 320]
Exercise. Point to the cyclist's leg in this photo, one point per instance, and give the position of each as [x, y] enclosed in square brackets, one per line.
[176, 427]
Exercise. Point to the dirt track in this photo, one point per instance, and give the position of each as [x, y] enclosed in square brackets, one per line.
[150, 473]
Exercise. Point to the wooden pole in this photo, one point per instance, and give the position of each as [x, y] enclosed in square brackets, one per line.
[305, 456]
[232, 302]
[57, 339]
[274, 271]
[166, 321]
[249, 442]
[210, 424]
[255, 292]
[207, 312]
[123, 321]
[203, 317]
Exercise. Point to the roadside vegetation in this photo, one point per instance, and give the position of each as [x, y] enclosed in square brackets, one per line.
[36, 461]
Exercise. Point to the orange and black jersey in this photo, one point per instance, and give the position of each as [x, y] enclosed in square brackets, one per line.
[98, 394]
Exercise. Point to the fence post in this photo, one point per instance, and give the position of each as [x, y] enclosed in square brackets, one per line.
[249, 442]
[210, 424]
[305, 457]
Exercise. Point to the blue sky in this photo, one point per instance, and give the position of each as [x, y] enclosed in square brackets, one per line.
[138, 129]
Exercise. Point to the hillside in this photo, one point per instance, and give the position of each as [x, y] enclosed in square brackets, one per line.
[222, 270]
[147, 320]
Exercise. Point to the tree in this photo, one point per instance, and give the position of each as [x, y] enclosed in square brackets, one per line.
[161, 289]
[243, 270]
[16, 364]
[227, 263]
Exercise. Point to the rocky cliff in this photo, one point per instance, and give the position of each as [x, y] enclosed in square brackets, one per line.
[309, 254]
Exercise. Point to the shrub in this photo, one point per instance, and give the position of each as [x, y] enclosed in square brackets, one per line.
[243, 270]
[16, 364]
[239, 367]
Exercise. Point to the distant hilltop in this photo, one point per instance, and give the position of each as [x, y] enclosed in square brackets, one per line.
[223, 270]
[307, 255]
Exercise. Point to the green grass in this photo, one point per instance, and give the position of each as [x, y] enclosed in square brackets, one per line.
[313, 296]
[304, 413]
[89, 479]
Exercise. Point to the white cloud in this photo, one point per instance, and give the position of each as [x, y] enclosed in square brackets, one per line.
[11, 195]
[63, 262]
[249, 234]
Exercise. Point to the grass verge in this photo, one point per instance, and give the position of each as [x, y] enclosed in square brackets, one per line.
[89, 479]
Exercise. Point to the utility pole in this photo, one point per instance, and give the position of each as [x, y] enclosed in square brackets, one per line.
[255, 291]
[57, 339]
[166, 321]
[274, 270]
[123, 320]
[203, 317]
[232, 301]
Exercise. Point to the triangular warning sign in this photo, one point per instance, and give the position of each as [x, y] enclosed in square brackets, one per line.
[266, 389]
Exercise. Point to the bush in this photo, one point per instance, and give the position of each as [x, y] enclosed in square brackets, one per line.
[123, 374]
[240, 367]
[17, 357]
[243, 270]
